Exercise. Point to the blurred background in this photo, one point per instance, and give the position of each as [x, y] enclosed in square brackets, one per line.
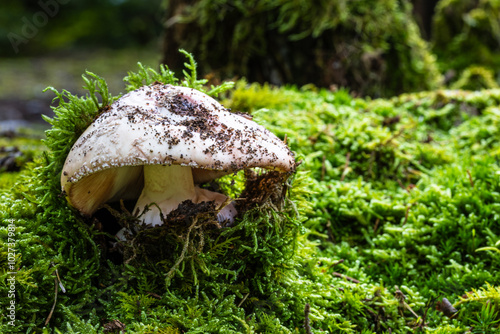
[372, 48]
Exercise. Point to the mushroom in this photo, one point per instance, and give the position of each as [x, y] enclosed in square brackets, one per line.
[158, 144]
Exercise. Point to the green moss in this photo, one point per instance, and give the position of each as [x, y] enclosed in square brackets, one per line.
[466, 25]
[373, 49]
[416, 213]
[7, 180]
[248, 98]
[475, 78]
[391, 203]
[258, 256]
[16, 151]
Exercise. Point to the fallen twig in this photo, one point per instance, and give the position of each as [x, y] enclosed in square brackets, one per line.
[154, 295]
[350, 279]
[55, 301]
[346, 166]
[307, 325]
[60, 283]
[400, 296]
[407, 212]
[376, 225]
[57, 283]
[337, 262]
[243, 300]
[470, 178]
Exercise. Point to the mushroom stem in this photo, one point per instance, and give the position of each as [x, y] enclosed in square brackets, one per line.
[168, 186]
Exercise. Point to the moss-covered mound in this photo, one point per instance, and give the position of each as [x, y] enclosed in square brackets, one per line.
[393, 212]
[467, 33]
[374, 48]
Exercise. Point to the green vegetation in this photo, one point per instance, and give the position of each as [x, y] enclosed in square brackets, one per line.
[466, 33]
[374, 48]
[16, 151]
[394, 207]
[475, 78]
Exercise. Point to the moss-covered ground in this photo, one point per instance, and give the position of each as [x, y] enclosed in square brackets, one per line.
[390, 225]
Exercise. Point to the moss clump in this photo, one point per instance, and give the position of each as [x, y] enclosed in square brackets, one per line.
[374, 49]
[466, 25]
[475, 78]
[417, 219]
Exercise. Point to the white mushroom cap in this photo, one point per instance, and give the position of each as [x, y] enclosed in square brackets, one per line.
[164, 125]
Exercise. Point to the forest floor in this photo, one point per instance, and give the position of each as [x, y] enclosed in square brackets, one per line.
[391, 223]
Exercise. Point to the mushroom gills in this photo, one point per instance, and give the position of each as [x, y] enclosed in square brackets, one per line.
[107, 185]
